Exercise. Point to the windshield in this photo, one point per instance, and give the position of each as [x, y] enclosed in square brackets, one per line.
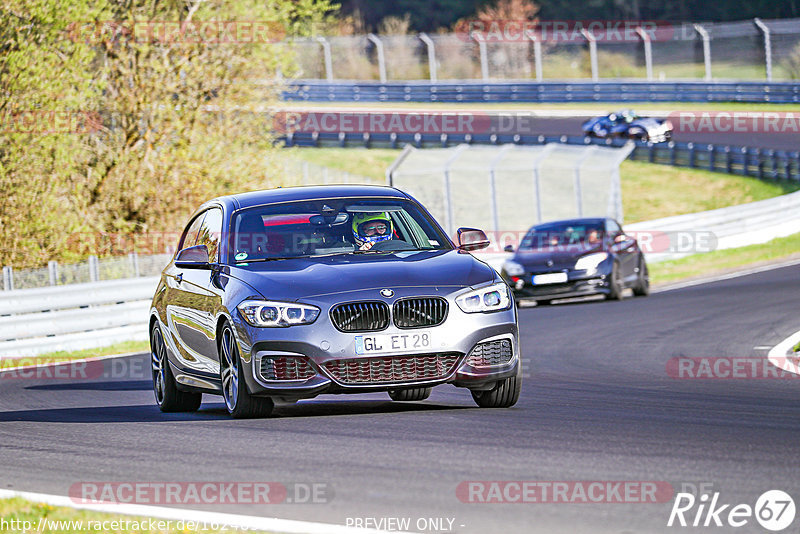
[562, 235]
[332, 226]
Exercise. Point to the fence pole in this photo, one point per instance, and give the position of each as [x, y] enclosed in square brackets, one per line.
[381, 57]
[493, 186]
[326, 52]
[592, 51]
[431, 55]
[52, 270]
[408, 149]
[537, 53]
[134, 259]
[448, 199]
[767, 46]
[706, 49]
[8, 278]
[577, 177]
[94, 269]
[484, 55]
[648, 52]
[537, 163]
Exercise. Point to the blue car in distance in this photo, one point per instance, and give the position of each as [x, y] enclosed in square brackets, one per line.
[628, 124]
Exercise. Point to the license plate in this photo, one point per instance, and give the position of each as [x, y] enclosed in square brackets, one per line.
[383, 343]
[550, 278]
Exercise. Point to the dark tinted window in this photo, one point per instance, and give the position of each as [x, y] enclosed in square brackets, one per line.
[562, 235]
[190, 234]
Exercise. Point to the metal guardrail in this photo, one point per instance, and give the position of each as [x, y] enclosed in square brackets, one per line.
[760, 163]
[529, 91]
[73, 317]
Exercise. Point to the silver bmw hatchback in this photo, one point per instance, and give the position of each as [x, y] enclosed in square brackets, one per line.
[290, 293]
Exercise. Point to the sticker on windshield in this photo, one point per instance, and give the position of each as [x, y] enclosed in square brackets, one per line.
[241, 256]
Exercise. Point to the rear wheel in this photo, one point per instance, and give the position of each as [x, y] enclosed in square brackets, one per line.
[503, 395]
[615, 285]
[642, 287]
[238, 401]
[168, 396]
[413, 394]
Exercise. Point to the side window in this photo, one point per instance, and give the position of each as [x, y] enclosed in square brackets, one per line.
[190, 234]
[612, 229]
[210, 232]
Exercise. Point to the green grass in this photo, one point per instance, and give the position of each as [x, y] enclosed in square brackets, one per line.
[14, 511]
[369, 162]
[720, 261]
[796, 348]
[599, 107]
[651, 191]
[61, 356]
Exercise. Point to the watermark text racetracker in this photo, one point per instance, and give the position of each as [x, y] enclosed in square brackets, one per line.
[206, 493]
[48, 524]
[564, 492]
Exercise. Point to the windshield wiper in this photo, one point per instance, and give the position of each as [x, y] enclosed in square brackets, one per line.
[255, 260]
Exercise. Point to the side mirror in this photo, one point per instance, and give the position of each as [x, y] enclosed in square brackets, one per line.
[195, 257]
[509, 248]
[472, 239]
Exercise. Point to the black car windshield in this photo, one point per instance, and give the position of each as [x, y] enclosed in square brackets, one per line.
[332, 226]
[562, 235]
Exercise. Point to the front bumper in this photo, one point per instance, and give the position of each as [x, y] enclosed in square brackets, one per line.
[578, 284]
[321, 343]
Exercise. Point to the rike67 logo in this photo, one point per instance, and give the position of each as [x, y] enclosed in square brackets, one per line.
[774, 510]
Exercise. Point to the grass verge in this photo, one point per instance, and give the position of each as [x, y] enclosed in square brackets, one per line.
[722, 261]
[19, 515]
[62, 356]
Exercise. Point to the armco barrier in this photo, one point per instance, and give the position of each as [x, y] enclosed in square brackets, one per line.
[73, 317]
[530, 91]
[745, 161]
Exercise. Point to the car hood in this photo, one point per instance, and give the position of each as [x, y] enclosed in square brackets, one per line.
[298, 278]
[561, 257]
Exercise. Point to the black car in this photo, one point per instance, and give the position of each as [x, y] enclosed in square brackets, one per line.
[629, 124]
[576, 257]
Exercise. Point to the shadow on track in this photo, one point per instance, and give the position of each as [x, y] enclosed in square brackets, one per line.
[118, 385]
[210, 412]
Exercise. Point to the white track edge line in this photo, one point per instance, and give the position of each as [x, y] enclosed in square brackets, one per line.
[779, 354]
[270, 524]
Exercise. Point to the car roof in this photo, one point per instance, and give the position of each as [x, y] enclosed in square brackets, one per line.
[315, 192]
[584, 220]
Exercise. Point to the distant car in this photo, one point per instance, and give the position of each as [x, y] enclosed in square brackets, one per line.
[290, 293]
[629, 124]
[574, 258]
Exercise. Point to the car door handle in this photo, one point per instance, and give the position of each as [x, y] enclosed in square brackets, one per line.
[179, 278]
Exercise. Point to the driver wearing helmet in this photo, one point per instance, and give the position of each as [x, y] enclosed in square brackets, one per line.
[370, 228]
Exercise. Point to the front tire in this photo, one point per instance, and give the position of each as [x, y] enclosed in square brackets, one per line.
[238, 401]
[413, 394]
[504, 394]
[642, 287]
[614, 285]
[168, 397]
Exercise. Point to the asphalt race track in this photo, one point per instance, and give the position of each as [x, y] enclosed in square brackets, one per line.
[597, 404]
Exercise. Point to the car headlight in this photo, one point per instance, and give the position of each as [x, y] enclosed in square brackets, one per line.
[590, 261]
[513, 268]
[267, 313]
[487, 299]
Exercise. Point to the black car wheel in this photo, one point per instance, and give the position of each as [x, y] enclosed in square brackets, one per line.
[503, 395]
[413, 394]
[615, 284]
[642, 287]
[238, 401]
[168, 396]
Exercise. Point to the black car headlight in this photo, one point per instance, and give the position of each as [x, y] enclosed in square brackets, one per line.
[486, 299]
[267, 313]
